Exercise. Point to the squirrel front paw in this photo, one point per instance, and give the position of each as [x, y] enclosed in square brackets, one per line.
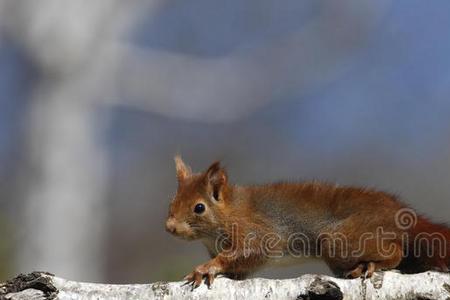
[207, 270]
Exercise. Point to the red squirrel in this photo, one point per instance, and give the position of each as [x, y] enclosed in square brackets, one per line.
[356, 231]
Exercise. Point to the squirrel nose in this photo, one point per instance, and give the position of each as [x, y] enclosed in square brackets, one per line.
[170, 225]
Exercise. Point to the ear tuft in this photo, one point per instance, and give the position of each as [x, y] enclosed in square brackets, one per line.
[183, 171]
[216, 177]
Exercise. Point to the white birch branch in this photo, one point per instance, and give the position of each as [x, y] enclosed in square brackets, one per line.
[383, 285]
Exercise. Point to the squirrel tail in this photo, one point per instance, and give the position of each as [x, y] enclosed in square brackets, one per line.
[427, 248]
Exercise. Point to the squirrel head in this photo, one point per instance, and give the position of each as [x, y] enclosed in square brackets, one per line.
[200, 201]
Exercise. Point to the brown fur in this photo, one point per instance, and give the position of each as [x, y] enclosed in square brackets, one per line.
[240, 218]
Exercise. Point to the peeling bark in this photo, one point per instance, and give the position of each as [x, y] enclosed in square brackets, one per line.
[383, 285]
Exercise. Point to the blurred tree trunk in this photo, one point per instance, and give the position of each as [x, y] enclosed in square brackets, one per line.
[65, 200]
[64, 172]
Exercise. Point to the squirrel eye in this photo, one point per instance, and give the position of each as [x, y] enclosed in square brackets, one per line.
[199, 208]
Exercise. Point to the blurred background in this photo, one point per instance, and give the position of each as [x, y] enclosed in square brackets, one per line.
[96, 97]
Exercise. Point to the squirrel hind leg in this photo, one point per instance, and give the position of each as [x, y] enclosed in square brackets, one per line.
[365, 270]
[355, 273]
[375, 263]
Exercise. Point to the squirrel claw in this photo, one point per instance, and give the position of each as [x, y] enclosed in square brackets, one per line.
[188, 278]
[186, 283]
[191, 280]
[371, 267]
[355, 273]
[364, 270]
[196, 277]
[209, 280]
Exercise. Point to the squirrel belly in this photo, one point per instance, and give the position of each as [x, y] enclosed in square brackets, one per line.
[356, 231]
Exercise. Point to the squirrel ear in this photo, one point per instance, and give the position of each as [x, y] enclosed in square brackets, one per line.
[216, 177]
[183, 171]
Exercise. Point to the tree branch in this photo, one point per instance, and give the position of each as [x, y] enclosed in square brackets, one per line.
[383, 285]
